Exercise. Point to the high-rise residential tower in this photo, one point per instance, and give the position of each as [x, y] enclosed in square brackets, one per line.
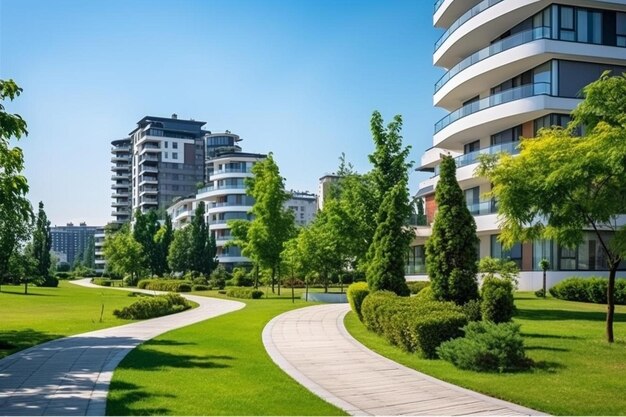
[167, 161]
[121, 168]
[512, 67]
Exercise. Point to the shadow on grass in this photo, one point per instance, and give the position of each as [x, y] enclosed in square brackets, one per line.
[127, 394]
[12, 341]
[167, 343]
[547, 366]
[146, 359]
[548, 348]
[532, 314]
[549, 336]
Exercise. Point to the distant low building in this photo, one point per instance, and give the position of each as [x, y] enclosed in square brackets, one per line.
[70, 241]
[304, 207]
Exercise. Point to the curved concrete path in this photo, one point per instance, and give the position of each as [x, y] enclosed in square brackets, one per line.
[71, 376]
[312, 345]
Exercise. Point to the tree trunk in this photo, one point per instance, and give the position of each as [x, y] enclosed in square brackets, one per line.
[273, 276]
[610, 302]
[325, 283]
[544, 283]
[26, 287]
[256, 277]
[306, 289]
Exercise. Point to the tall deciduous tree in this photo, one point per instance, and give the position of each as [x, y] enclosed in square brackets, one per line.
[124, 255]
[391, 241]
[144, 232]
[203, 248]
[452, 249]
[42, 243]
[163, 240]
[562, 184]
[272, 225]
[15, 209]
[179, 254]
[89, 253]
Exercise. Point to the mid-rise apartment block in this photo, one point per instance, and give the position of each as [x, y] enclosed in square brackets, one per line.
[304, 207]
[70, 241]
[511, 67]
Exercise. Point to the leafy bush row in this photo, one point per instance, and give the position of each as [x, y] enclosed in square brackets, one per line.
[244, 293]
[416, 286]
[356, 294]
[148, 307]
[172, 285]
[588, 290]
[488, 347]
[414, 324]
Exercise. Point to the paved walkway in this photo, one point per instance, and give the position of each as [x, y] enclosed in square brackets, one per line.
[312, 345]
[71, 376]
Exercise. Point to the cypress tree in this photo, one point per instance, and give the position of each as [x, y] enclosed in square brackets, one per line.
[42, 243]
[452, 249]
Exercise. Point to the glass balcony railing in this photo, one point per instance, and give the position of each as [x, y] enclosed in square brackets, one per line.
[483, 207]
[221, 187]
[517, 93]
[438, 4]
[229, 170]
[494, 49]
[473, 157]
[480, 7]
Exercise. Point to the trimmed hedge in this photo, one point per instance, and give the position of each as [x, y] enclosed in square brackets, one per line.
[356, 294]
[487, 347]
[157, 306]
[588, 290]
[416, 286]
[498, 304]
[413, 324]
[105, 282]
[201, 287]
[172, 285]
[249, 293]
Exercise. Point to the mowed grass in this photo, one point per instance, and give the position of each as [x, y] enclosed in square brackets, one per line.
[50, 313]
[577, 372]
[216, 367]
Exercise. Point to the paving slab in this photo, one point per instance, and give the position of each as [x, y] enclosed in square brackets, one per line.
[312, 345]
[71, 376]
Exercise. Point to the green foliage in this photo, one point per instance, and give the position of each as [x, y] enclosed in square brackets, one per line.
[246, 293]
[487, 347]
[219, 277]
[413, 324]
[426, 293]
[200, 287]
[497, 305]
[157, 306]
[163, 240]
[172, 285]
[17, 215]
[241, 278]
[63, 275]
[42, 244]
[202, 257]
[588, 290]
[105, 282]
[356, 294]
[499, 268]
[451, 251]
[179, 254]
[124, 255]
[391, 242]
[473, 310]
[540, 293]
[417, 286]
[144, 231]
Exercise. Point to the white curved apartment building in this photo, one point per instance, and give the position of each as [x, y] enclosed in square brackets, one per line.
[225, 193]
[510, 68]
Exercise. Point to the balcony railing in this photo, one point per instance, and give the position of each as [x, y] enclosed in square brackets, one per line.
[517, 93]
[480, 7]
[230, 170]
[473, 157]
[438, 4]
[494, 49]
[221, 187]
[483, 207]
[228, 204]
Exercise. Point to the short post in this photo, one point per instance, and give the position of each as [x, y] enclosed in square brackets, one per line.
[544, 265]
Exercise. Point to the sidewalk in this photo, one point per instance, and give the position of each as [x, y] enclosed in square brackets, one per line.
[71, 376]
[312, 346]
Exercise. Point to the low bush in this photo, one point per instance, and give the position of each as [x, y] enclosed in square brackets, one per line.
[472, 310]
[293, 283]
[588, 290]
[200, 281]
[242, 292]
[63, 275]
[414, 324]
[105, 282]
[200, 287]
[130, 281]
[148, 307]
[172, 285]
[540, 293]
[241, 278]
[498, 304]
[426, 294]
[49, 281]
[356, 294]
[416, 286]
[487, 347]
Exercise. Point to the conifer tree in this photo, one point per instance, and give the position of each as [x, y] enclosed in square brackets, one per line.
[452, 249]
[42, 243]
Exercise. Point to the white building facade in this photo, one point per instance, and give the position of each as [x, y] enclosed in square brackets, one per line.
[511, 68]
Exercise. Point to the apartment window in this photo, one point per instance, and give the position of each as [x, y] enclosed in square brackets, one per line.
[472, 199]
[620, 29]
[174, 145]
[471, 147]
[165, 144]
[507, 136]
[175, 155]
[166, 155]
[566, 24]
[514, 253]
[567, 258]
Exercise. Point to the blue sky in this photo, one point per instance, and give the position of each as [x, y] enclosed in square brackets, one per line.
[298, 78]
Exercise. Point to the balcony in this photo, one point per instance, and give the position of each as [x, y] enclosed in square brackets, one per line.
[117, 177]
[120, 194]
[483, 207]
[121, 158]
[494, 49]
[473, 157]
[125, 185]
[506, 96]
[120, 213]
[120, 204]
[149, 147]
[211, 188]
[147, 168]
[116, 149]
[479, 8]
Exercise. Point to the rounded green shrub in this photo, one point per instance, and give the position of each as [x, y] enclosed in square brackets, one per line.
[356, 294]
[243, 292]
[416, 286]
[149, 307]
[588, 290]
[201, 287]
[426, 294]
[498, 304]
[487, 347]
[570, 289]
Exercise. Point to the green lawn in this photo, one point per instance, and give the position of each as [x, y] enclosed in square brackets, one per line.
[50, 313]
[217, 367]
[576, 373]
